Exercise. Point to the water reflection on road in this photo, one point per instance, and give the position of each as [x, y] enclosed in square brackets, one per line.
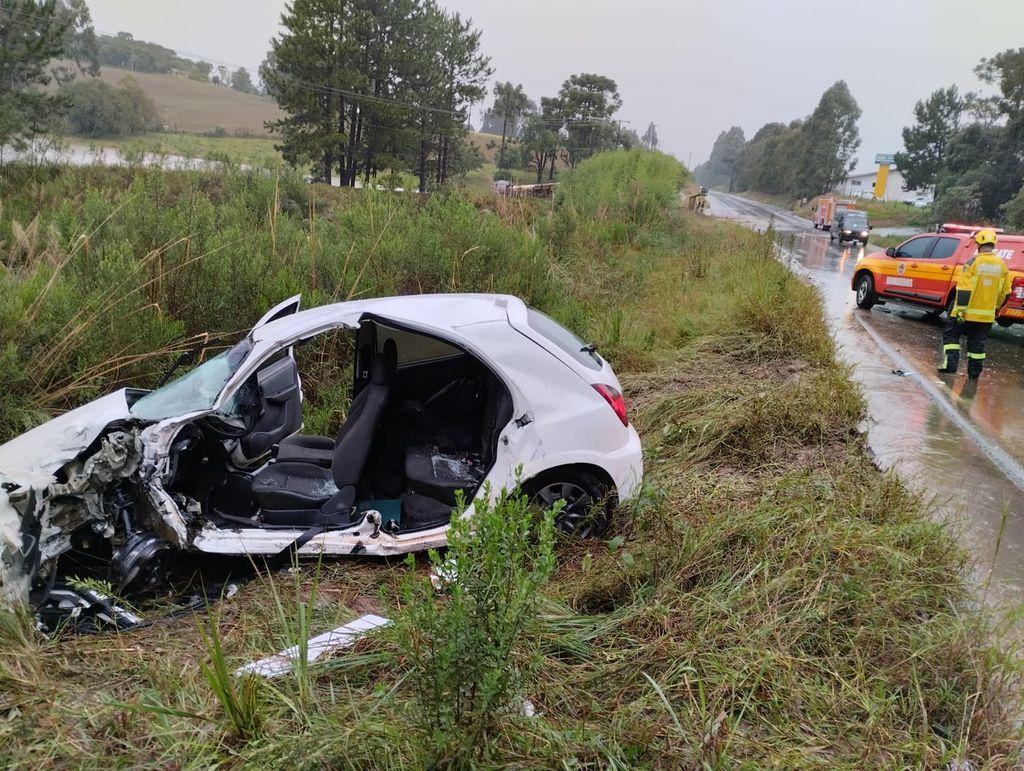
[908, 429]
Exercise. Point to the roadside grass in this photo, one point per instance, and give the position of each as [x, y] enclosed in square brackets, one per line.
[771, 599]
[886, 241]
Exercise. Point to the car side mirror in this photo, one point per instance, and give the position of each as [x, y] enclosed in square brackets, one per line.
[890, 252]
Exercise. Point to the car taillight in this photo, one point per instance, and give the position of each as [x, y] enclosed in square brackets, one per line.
[614, 399]
[1018, 287]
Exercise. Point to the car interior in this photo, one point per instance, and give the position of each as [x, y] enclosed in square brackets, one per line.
[422, 426]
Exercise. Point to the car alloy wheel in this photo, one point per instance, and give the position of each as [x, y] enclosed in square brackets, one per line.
[587, 511]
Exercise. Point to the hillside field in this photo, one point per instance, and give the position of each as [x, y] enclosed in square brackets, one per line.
[190, 106]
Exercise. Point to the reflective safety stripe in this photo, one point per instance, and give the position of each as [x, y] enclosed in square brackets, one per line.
[977, 356]
[982, 316]
[951, 347]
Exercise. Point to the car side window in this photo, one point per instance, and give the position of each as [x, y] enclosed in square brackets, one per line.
[915, 249]
[945, 248]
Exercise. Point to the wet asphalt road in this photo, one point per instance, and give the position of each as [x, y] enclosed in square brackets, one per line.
[961, 444]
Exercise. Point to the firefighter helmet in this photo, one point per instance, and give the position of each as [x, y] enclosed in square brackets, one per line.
[985, 236]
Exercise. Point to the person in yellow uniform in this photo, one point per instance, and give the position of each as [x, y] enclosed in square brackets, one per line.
[981, 290]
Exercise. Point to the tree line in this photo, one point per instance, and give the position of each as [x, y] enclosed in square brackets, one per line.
[970, 147]
[803, 158]
[374, 85]
[570, 126]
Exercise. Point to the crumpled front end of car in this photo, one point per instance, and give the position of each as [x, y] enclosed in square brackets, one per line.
[41, 512]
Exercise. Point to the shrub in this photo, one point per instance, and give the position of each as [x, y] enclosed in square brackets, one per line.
[634, 187]
[100, 109]
[472, 654]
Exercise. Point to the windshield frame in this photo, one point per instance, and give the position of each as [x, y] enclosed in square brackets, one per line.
[186, 394]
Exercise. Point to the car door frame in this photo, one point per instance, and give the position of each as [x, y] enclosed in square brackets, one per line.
[897, 268]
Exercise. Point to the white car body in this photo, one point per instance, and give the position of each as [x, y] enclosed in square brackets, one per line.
[559, 420]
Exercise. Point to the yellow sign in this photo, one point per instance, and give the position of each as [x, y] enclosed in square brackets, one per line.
[882, 180]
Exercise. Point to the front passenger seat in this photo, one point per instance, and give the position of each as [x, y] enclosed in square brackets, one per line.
[305, 494]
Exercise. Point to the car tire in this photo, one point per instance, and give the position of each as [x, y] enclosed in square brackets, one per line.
[866, 296]
[1004, 323]
[590, 502]
[948, 312]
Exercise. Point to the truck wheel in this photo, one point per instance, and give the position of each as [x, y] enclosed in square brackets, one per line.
[1004, 323]
[866, 297]
[949, 307]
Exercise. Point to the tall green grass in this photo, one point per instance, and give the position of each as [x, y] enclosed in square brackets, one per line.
[106, 274]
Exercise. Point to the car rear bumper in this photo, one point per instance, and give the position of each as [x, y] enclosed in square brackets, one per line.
[626, 466]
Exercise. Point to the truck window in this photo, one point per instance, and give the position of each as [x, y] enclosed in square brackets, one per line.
[945, 248]
[916, 248]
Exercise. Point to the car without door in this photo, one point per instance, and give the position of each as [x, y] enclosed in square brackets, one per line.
[454, 397]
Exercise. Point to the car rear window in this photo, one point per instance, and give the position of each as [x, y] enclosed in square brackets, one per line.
[414, 348]
[564, 339]
[944, 248]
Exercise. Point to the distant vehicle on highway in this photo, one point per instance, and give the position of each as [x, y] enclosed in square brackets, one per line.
[850, 225]
[827, 208]
[923, 271]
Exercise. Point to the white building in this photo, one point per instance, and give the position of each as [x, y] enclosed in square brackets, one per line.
[862, 185]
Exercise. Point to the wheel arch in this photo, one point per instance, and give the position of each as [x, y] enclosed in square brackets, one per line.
[862, 271]
[591, 468]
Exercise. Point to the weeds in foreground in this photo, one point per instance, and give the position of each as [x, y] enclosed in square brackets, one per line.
[472, 655]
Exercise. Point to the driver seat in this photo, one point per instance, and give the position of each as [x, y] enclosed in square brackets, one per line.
[305, 494]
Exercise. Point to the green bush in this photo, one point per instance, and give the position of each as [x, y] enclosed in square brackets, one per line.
[630, 188]
[99, 109]
[471, 656]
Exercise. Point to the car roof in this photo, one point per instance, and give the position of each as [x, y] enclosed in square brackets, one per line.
[443, 312]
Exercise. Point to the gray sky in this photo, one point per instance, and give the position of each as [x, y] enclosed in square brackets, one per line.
[694, 67]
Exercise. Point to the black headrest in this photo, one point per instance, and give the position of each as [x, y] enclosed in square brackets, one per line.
[384, 366]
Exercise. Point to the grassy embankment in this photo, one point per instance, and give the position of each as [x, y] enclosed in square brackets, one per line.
[772, 599]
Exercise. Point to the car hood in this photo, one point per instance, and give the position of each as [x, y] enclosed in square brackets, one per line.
[46, 448]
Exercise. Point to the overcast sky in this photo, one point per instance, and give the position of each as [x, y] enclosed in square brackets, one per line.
[694, 67]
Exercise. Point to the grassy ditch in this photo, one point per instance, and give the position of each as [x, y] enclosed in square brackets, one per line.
[770, 600]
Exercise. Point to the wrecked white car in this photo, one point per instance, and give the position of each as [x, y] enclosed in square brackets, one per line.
[449, 392]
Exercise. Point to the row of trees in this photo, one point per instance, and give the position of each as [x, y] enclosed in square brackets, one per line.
[803, 158]
[570, 126]
[375, 85]
[970, 148]
[125, 52]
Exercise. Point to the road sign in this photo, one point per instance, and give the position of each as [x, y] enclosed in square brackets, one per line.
[885, 159]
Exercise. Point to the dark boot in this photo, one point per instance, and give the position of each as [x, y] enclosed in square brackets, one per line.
[950, 362]
[974, 367]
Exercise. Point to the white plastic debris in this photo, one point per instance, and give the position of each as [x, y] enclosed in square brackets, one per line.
[343, 637]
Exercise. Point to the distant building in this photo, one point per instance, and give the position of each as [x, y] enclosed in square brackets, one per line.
[863, 186]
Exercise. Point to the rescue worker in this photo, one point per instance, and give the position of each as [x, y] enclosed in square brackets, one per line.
[982, 288]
